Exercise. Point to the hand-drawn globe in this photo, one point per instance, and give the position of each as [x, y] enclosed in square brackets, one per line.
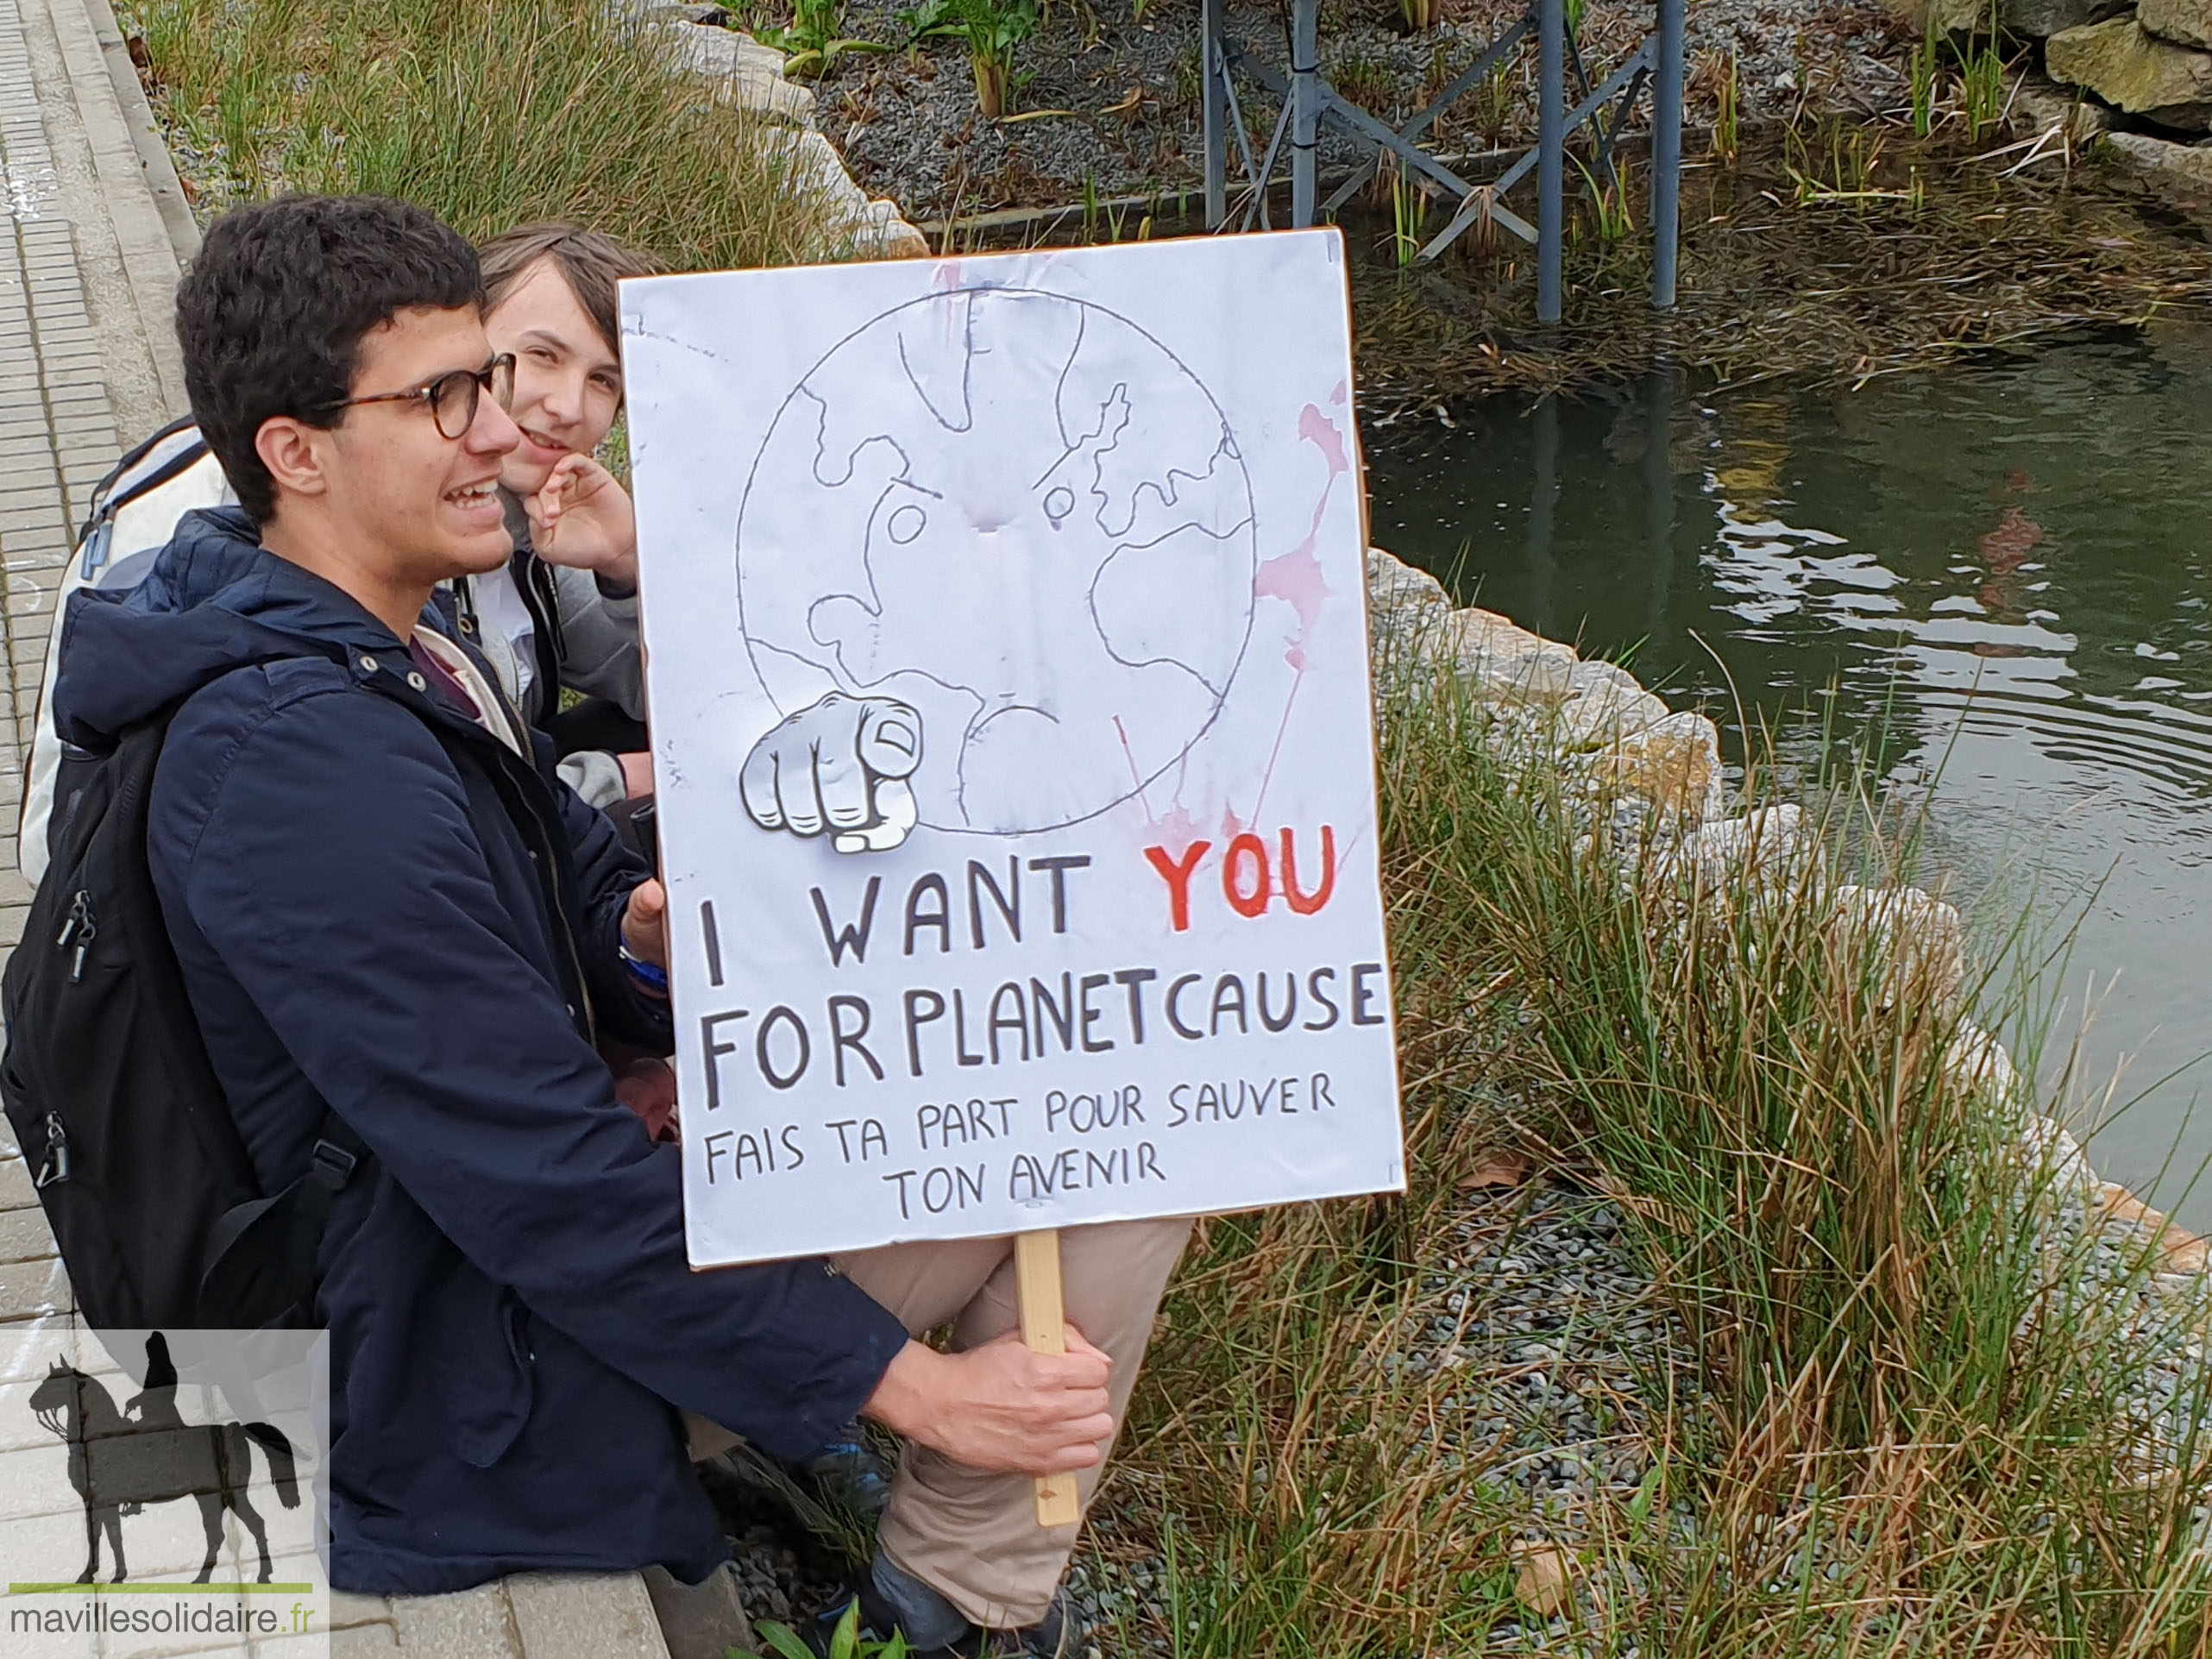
[1022, 514]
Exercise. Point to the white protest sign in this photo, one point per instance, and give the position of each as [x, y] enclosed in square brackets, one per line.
[1007, 662]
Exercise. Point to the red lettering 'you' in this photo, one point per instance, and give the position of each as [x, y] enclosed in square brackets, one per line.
[1306, 904]
[1177, 874]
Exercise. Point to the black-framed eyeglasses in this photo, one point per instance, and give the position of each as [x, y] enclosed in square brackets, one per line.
[452, 398]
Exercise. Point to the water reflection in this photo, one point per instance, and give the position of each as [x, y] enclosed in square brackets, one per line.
[2004, 567]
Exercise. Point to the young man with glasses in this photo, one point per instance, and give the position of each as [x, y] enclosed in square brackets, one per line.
[385, 907]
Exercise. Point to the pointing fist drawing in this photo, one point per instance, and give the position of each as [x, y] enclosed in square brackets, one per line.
[841, 765]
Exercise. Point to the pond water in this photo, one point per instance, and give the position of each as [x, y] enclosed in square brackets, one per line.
[2001, 572]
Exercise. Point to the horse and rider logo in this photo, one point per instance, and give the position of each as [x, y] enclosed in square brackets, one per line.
[125, 1459]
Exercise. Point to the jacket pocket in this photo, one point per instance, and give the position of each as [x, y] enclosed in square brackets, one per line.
[485, 1366]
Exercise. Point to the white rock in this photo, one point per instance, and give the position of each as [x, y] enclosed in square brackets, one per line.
[1400, 598]
[1771, 843]
[2047, 1147]
[1499, 659]
[1919, 940]
[753, 58]
[1673, 763]
[1592, 672]
[883, 233]
[874, 227]
[1604, 713]
[771, 95]
[1976, 1063]
[741, 70]
[671, 11]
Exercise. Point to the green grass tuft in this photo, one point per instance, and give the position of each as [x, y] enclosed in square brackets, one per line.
[490, 113]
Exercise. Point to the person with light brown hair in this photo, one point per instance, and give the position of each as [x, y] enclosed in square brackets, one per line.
[563, 612]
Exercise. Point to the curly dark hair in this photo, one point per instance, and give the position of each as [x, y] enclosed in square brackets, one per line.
[271, 314]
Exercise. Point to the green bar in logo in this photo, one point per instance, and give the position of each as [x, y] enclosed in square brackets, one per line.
[160, 1589]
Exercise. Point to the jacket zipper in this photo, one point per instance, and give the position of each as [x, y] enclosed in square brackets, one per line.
[547, 860]
[549, 878]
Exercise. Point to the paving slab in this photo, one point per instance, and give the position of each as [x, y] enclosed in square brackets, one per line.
[88, 361]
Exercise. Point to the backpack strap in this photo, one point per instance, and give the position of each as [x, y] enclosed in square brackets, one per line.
[187, 455]
[265, 1257]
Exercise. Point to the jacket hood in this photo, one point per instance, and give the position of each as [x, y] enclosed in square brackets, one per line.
[214, 601]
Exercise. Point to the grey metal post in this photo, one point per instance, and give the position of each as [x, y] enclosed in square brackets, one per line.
[1305, 105]
[1551, 153]
[1213, 102]
[1666, 155]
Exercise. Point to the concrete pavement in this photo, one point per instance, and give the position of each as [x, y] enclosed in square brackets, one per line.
[96, 226]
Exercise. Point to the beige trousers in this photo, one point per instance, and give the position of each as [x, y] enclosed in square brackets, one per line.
[974, 1536]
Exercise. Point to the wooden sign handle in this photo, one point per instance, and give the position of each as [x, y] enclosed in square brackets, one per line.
[1044, 1326]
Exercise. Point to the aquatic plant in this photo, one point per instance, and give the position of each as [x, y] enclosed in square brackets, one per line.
[1728, 119]
[1926, 70]
[1609, 202]
[995, 30]
[1851, 166]
[815, 39]
[1409, 210]
[1981, 88]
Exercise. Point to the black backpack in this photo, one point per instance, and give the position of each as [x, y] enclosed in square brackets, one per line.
[106, 1080]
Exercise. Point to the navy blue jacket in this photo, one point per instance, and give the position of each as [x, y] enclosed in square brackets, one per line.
[421, 933]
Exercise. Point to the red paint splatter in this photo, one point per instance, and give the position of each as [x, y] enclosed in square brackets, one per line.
[1176, 829]
[1322, 432]
[1295, 578]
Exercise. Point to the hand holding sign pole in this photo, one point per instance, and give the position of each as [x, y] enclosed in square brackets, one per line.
[1107, 946]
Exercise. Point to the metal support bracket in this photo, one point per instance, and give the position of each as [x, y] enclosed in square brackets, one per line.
[1308, 102]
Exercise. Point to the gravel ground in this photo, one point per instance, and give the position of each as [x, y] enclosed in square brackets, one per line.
[1111, 100]
[1539, 1302]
